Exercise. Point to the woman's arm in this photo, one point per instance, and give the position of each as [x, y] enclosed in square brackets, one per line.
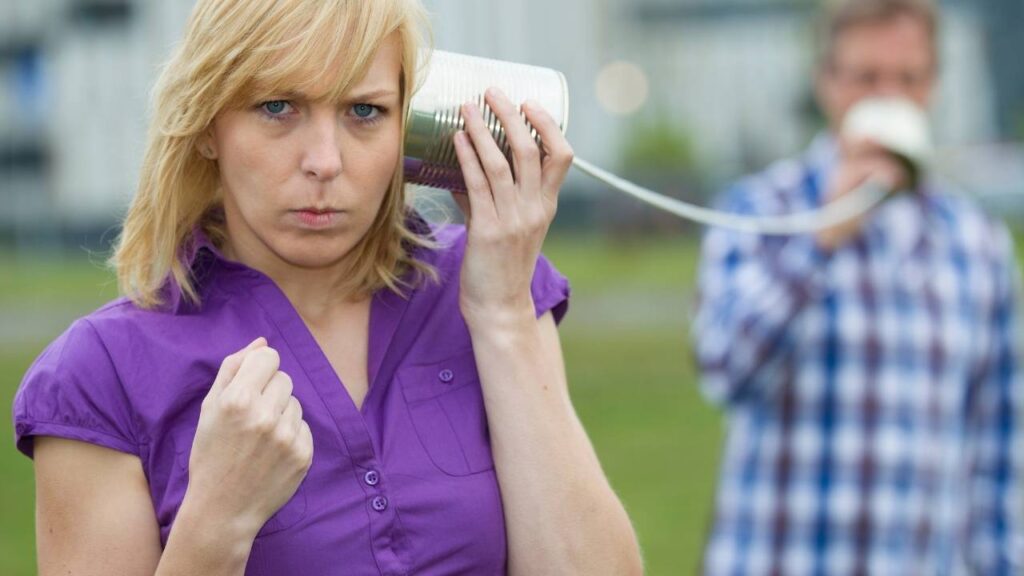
[94, 516]
[93, 511]
[561, 514]
[251, 451]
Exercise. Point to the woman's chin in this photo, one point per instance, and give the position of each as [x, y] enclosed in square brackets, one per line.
[317, 253]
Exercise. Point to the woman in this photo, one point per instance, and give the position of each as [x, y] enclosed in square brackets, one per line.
[304, 377]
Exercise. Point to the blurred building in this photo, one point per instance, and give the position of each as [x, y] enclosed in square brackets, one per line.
[732, 77]
[75, 77]
[1003, 19]
[737, 75]
[74, 81]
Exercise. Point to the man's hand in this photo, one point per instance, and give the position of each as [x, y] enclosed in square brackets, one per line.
[860, 161]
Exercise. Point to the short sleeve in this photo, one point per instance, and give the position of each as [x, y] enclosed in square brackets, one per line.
[550, 290]
[73, 391]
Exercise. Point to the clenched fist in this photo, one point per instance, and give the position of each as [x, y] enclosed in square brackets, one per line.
[252, 448]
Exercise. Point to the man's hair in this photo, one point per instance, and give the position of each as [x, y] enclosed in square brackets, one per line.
[842, 15]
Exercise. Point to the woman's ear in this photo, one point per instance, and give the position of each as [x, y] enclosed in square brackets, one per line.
[207, 146]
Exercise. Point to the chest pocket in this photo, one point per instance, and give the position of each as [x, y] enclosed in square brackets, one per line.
[447, 410]
[289, 515]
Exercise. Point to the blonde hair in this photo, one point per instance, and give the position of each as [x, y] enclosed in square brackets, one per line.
[231, 50]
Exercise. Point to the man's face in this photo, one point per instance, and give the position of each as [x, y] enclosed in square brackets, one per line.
[893, 58]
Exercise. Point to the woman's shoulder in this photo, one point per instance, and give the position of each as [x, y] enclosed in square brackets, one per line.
[73, 388]
[121, 313]
[85, 333]
[115, 324]
[116, 370]
[101, 343]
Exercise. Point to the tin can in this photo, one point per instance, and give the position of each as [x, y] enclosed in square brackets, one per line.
[454, 79]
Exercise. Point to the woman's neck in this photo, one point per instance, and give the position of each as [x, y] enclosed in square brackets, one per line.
[316, 293]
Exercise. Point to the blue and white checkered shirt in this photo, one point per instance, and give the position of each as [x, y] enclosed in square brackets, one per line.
[873, 394]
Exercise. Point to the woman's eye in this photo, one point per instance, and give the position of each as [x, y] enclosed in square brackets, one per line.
[365, 111]
[275, 107]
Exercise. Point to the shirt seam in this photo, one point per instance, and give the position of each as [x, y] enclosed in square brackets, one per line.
[120, 382]
[30, 421]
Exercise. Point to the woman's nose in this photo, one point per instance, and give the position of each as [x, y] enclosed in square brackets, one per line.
[322, 157]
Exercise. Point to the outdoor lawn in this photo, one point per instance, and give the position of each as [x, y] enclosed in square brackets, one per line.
[629, 366]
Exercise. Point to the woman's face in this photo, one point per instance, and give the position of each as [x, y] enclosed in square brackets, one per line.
[303, 179]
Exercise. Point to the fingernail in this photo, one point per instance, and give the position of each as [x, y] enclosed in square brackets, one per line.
[253, 345]
[494, 92]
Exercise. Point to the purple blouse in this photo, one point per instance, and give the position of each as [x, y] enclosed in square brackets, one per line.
[404, 485]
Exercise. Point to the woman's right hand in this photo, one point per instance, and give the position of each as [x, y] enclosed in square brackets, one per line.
[252, 448]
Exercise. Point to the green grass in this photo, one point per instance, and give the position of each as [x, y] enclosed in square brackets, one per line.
[600, 265]
[17, 541]
[656, 438]
[66, 281]
[635, 390]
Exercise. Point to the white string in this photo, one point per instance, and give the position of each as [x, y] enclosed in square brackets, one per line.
[846, 208]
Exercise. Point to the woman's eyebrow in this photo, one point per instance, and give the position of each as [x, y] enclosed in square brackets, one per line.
[299, 96]
[280, 95]
[371, 95]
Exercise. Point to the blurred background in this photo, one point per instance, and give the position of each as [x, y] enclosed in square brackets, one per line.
[678, 95]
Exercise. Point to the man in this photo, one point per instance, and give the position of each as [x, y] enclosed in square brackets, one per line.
[871, 372]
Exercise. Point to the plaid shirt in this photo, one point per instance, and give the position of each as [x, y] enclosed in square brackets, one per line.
[873, 393]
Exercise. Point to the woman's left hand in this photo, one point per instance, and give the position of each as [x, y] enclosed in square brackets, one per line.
[508, 208]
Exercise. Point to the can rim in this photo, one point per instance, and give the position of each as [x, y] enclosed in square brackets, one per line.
[565, 102]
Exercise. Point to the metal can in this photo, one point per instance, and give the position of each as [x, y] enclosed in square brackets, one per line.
[454, 79]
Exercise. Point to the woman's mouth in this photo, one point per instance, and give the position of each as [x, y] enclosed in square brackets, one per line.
[317, 219]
